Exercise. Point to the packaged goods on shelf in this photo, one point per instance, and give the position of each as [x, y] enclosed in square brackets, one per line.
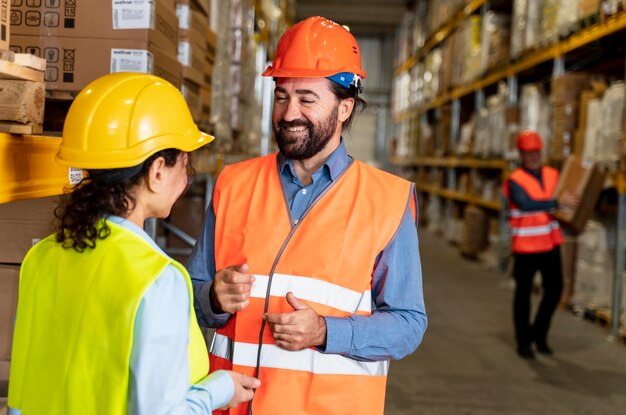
[585, 179]
[401, 146]
[567, 87]
[569, 255]
[563, 130]
[416, 86]
[536, 114]
[92, 58]
[470, 44]
[594, 275]
[491, 256]
[588, 8]
[491, 132]
[475, 232]
[9, 281]
[419, 29]
[434, 214]
[519, 22]
[5, 24]
[426, 144]
[431, 74]
[447, 67]
[611, 7]
[567, 17]
[534, 14]
[496, 37]
[454, 225]
[23, 224]
[146, 20]
[593, 130]
[549, 22]
[404, 38]
[443, 127]
[612, 125]
[466, 138]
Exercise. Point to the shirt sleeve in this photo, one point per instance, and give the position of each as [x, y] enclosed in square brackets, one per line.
[398, 322]
[201, 267]
[525, 203]
[159, 365]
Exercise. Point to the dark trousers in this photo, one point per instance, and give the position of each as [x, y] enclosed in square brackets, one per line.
[549, 263]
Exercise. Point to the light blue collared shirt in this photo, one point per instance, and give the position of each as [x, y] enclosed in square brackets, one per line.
[398, 322]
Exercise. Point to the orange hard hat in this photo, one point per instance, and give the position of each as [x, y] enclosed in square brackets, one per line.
[316, 48]
[529, 141]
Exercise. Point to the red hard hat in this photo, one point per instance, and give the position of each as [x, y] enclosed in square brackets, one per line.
[315, 48]
[529, 141]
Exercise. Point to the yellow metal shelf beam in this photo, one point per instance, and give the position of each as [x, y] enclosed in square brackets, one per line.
[28, 169]
[452, 195]
[450, 162]
[444, 31]
[591, 34]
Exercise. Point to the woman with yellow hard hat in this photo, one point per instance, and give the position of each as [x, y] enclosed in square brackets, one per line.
[105, 321]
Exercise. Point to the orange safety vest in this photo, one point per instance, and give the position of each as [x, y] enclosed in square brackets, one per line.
[326, 260]
[536, 231]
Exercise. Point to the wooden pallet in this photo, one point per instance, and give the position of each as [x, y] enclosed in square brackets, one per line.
[22, 93]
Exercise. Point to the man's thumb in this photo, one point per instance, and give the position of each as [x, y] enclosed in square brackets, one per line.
[295, 303]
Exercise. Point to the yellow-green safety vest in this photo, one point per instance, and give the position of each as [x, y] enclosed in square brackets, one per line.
[74, 325]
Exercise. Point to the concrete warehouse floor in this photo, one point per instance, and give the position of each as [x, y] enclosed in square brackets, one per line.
[467, 363]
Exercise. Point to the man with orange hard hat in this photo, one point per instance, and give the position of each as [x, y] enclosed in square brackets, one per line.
[308, 262]
[536, 239]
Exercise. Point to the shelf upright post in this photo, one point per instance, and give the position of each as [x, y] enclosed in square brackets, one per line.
[558, 67]
[455, 125]
[620, 245]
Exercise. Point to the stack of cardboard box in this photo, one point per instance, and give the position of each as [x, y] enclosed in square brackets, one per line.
[82, 40]
[565, 93]
[196, 53]
[23, 224]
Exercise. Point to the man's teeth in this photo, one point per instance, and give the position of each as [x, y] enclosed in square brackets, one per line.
[296, 129]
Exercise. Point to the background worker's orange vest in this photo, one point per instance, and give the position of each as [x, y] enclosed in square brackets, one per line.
[537, 231]
[326, 259]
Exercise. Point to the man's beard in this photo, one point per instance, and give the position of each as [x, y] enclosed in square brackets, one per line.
[317, 138]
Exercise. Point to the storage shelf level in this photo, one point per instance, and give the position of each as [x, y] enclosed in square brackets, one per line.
[452, 195]
[449, 162]
[598, 31]
[28, 169]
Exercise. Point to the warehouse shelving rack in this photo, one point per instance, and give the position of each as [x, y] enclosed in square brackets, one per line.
[555, 53]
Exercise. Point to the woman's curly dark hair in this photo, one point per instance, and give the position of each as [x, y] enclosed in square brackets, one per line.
[94, 198]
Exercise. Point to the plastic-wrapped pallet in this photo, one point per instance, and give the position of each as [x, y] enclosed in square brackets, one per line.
[495, 40]
[466, 138]
[518, 27]
[471, 49]
[567, 17]
[612, 124]
[593, 284]
[588, 8]
[416, 89]
[431, 74]
[534, 15]
[536, 114]
[435, 219]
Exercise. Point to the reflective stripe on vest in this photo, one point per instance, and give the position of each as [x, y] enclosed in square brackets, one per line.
[326, 259]
[307, 360]
[74, 325]
[317, 291]
[534, 231]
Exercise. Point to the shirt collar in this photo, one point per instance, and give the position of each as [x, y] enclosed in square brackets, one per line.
[335, 164]
[135, 229]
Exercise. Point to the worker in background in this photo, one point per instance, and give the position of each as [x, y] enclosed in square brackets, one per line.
[536, 241]
[105, 323]
[308, 261]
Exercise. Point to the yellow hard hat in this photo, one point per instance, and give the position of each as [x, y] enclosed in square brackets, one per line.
[121, 119]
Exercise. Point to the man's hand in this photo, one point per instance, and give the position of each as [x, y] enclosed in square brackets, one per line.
[299, 329]
[244, 388]
[230, 291]
[569, 200]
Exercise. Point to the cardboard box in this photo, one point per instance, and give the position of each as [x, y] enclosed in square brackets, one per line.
[5, 26]
[191, 92]
[73, 62]
[203, 6]
[187, 215]
[23, 224]
[588, 7]
[146, 20]
[191, 20]
[9, 282]
[567, 87]
[582, 178]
